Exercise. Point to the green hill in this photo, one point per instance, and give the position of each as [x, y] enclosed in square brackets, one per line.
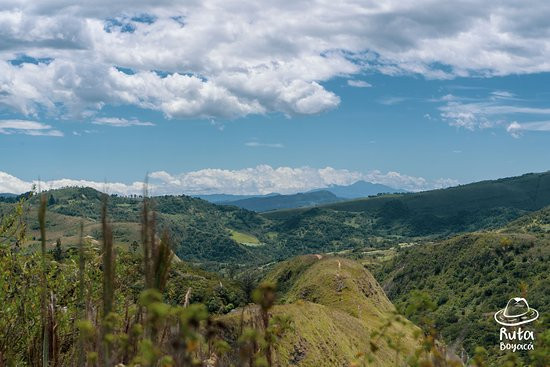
[335, 305]
[486, 204]
[470, 277]
[202, 231]
[536, 223]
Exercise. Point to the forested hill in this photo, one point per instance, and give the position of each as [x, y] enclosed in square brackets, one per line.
[528, 192]
[480, 205]
[469, 277]
[201, 231]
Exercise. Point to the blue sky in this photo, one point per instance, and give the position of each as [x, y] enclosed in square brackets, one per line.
[321, 115]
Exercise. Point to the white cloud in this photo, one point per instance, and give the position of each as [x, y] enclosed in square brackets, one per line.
[8, 127]
[502, 94]
[262, 179]
[359, 83]
[220, 59]
[390, 101]
[120, 122]
[257, 144]
[493, 111]
[516, 129]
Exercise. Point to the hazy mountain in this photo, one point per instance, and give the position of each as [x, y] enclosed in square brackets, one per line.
[225, 198]
[7, 195]
[356, 190]
[274, 202]
[360, 189]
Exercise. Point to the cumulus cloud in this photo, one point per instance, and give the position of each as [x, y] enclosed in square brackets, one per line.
[120, 122]
[8, 127]
[262, 179]
[219, 59]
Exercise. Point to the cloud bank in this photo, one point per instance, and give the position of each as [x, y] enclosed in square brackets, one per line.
[220, 59]
[262, 179]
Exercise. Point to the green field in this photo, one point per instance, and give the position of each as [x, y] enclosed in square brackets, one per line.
[244, 238]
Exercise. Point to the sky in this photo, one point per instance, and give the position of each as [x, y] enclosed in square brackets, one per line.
[248, 97]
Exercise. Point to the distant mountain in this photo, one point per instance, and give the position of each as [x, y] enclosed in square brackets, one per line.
[274, 202]
[221, 198]
[7, 195]
[528, 192]
[360, 189]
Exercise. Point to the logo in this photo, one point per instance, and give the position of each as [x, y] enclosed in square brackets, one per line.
[517, 312]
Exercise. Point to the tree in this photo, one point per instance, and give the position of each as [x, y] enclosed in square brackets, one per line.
[51, 200]
[134, 246]
[58, 251]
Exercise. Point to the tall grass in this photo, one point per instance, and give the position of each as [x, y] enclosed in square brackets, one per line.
[44, 294]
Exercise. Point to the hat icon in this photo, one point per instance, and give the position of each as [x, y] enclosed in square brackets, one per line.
[517, 312]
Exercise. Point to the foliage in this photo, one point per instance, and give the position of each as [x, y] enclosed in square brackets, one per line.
[82, 319]
[469, 278]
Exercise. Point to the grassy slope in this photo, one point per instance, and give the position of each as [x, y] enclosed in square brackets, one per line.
[244, 238]
[335, 304]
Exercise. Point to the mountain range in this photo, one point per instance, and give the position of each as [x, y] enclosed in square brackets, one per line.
[275, 202]
[329, 194]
